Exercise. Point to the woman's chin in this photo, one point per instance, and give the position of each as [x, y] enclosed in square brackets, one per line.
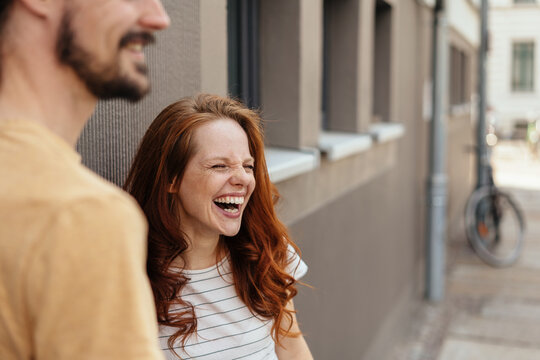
[230, 232]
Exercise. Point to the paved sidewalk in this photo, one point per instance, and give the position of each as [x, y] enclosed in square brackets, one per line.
[488, 313]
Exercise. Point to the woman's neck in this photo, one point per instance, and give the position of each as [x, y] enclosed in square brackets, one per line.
[202, 252]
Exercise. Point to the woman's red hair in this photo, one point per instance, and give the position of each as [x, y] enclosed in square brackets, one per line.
[258, 253]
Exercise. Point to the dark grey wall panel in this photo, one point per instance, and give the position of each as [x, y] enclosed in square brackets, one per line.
[112, 135]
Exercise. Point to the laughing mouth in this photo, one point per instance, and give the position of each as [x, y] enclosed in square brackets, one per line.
[230, 204]
[137, 40]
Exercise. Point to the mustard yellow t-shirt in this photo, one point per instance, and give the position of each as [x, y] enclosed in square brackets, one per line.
[72, 257]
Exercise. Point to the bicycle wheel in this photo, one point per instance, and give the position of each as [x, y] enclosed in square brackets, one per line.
[495, 226]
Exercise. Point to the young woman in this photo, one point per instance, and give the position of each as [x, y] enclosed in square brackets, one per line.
[222, 266]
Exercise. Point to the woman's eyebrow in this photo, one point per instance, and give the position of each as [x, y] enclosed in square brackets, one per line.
[226, 159]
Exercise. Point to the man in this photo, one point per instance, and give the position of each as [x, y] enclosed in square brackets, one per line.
[72, 246]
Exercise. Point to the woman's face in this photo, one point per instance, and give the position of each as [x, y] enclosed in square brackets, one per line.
[218, 180]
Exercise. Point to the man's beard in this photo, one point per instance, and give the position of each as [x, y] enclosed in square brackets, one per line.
[105, 81]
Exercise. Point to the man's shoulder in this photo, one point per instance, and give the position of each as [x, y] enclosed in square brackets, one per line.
[80, 184]
[41, 170]
[37, 165]
[88, 199]
[44, 184]
[60, 185]
[74, 205]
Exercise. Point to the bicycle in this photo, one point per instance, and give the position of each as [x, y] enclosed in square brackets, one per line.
[494, 224]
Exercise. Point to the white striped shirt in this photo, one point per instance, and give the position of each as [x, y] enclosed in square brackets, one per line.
[226, 329]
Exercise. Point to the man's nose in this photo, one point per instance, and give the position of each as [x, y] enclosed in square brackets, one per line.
[154, 17]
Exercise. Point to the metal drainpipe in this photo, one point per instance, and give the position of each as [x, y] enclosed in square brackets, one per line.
[437, 179]
[482, 158]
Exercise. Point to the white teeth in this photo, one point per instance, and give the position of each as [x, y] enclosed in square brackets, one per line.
[235, 210]
[135, 46]
[239, 200]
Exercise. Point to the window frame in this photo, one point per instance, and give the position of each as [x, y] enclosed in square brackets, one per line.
[243, 51]
[516, 85]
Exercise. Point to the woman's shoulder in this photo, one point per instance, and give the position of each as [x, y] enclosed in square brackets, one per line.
[296, 267]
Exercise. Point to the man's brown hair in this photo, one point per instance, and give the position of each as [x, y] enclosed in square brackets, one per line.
[5, 8]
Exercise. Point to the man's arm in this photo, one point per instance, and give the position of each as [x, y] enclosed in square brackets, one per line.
[86, 286]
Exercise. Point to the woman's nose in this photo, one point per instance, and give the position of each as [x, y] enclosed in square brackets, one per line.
[241, 176]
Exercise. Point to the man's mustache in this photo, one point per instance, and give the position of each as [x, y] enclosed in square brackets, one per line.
[143, 37]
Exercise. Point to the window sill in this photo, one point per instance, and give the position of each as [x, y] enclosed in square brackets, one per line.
[338, 145]
[384, 132]
[525, 5]
[523, 93]
[284, 163]
[315, 189]
[428, 3]
[460, 109]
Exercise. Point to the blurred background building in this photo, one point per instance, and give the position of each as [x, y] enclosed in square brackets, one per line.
[345, 87]
[513, 92]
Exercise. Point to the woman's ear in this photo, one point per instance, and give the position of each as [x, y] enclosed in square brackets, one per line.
[172, 187]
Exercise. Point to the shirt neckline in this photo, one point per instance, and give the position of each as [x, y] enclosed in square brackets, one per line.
[219, 264]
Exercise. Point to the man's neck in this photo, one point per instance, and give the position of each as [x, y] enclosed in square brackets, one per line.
[46, 93]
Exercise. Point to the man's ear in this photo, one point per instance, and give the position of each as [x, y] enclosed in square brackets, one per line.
[41, 8]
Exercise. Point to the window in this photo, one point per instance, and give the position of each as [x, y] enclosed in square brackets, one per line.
[459, 76]
[523, 66]
[357, 46]
[243, 50]
[290, 71]
[382, 62]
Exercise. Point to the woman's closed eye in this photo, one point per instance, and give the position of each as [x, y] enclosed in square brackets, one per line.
[248, 168]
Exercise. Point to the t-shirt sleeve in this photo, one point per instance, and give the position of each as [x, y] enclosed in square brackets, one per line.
[296, 267]
[86, 286]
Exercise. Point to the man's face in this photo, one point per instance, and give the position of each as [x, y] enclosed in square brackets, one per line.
[102, 41]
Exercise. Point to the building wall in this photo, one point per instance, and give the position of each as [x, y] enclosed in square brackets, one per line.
[365, 245]
[461, 127]
[359, 219]
[508, 23]
[463, 17]
[213, 20]
[461, 172]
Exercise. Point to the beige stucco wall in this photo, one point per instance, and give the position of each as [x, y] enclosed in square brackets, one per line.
[213, 22]
[290, 70]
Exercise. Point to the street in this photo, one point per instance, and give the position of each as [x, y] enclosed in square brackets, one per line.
[488, 313]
